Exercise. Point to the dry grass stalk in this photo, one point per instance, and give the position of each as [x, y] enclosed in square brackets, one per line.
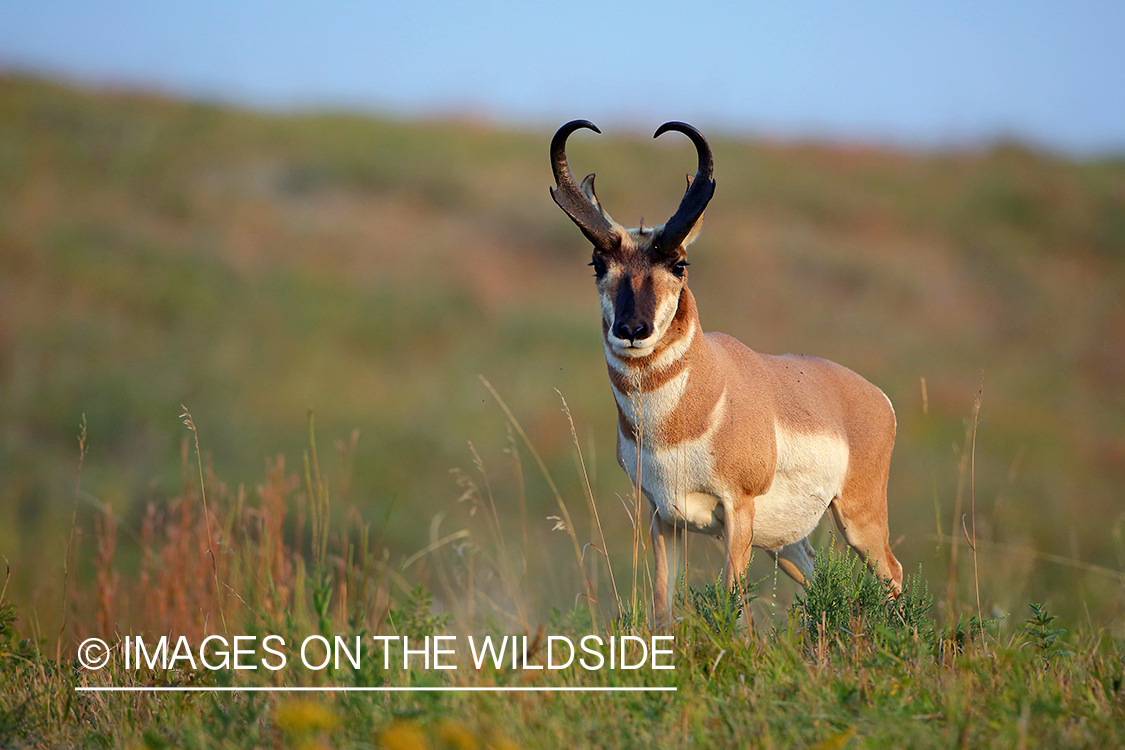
[569, 525]
[186, 416]
[973, 501]
[70, 538]
[105, 526]
[590, 498]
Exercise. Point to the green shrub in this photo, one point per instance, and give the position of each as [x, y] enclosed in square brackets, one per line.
[717, 607]
[1042, 638]
[845, 603]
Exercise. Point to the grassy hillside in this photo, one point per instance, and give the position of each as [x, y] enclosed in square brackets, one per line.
[156, 252]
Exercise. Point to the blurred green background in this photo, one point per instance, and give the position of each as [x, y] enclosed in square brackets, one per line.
[157, 252]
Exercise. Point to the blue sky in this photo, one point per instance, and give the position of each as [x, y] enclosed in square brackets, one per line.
[910, 73]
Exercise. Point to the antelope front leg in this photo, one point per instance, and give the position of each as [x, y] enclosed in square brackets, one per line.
[663, 535]
[739, 535]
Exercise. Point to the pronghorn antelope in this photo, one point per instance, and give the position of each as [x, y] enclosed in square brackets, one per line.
[722, 440]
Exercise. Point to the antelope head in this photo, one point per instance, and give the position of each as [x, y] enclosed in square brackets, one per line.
[640, 272]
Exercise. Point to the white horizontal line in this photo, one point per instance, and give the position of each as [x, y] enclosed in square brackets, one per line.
[260, 689]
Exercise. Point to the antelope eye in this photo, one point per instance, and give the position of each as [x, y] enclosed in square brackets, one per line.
[599, 267]
[680, 268]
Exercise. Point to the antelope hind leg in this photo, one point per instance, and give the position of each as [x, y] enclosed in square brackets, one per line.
[796, 560]
[865, 528]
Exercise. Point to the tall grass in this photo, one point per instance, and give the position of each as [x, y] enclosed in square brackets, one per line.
[847, 663]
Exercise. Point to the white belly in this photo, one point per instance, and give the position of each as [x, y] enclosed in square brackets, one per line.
[810, 474]
[681, 483]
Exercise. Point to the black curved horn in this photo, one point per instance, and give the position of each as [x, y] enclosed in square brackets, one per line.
[698, 194]
[570, 198]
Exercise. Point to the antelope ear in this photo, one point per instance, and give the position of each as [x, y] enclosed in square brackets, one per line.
[696, 228]
[692, 234]
[693, 231]
[587, 188]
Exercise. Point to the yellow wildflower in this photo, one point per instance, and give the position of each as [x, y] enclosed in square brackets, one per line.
[457, 736]
[403, 736]
[304, 717]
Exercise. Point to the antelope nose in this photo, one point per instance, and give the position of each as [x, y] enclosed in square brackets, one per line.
[631, 331]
